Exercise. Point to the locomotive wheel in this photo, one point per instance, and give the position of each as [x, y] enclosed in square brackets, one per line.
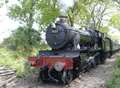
[93, 64]
[43, 76]
[97, 59]
[102, 59]
[68, 77]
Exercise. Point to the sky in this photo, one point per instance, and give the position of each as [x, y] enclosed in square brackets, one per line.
[7, 25]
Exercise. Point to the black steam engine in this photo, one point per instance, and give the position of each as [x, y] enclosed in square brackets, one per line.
[73, 51]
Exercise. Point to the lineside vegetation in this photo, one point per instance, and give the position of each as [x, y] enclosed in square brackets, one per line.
[115, 79]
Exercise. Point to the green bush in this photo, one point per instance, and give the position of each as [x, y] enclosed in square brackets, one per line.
[118, 62]
[115, 80]
[12, 60]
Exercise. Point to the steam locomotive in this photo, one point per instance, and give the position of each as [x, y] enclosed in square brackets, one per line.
[72, 52]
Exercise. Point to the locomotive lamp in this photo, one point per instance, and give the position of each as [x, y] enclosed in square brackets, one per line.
[59, 66]
[53, 26]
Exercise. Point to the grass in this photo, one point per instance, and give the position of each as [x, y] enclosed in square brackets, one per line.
[115, 80]
[12, 60]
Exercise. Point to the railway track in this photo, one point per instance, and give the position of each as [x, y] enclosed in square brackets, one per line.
[7, 77]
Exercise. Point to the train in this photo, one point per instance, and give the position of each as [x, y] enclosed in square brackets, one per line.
[72, 51]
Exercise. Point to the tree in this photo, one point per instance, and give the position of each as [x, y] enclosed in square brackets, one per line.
[19, 41]
[114, 21]
[78, 13]
[88, 13]
[24, 13]
[29, 13]
[97, 11]
[47, 10]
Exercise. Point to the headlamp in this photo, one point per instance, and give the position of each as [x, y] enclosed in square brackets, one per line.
[59, 66]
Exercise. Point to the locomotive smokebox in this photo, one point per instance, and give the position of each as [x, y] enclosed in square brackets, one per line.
[60, 35]
[56, 36]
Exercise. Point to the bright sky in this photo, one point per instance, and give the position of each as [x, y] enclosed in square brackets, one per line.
[7, 25]
[66, 3]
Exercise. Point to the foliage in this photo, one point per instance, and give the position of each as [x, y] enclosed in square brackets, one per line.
[78, 13]
[22, 12]
[48, 10]
[115, 80]
[9, 59]
[43, 11]
[104, 29]
[22, 41]
[25, 37]
[29, 13]
[114, 21]
[88, 13]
